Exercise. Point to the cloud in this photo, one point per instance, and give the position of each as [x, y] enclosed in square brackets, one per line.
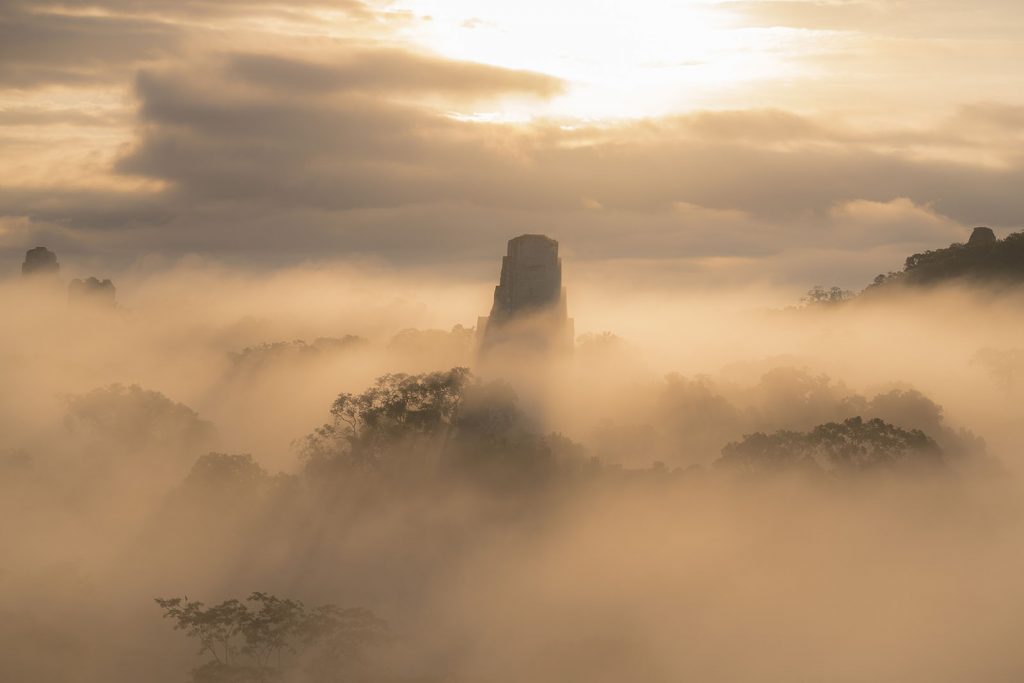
[39, 48]
[868, 223]
[756, 125]
[921, 18]
[296, 141]
[349, 173]
[389, 71]
[88, 210]
[42, 116]
[212, 140]
[207, 8]
[848, 15]
[89, 42]
[991, 116]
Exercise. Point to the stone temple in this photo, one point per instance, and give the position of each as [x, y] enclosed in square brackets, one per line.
[93, 292]
[529, 308]
[982, 236]
[40, 261]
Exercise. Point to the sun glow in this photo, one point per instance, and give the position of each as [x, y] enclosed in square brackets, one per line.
[619, 59]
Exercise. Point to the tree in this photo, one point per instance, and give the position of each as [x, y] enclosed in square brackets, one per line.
[216, 628]
[821, 296]
[696, 417]
[412, 423]
[400, 404]
[795, 398]
[854, 445]
[494, 442]
[134, 420]
[397, 408]
[225, 471]
[995, 261]
[265, 355]
[261, 640]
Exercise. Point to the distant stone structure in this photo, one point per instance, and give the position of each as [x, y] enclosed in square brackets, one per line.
[40, 261]
[93, 291]
[530, 309]
[984, 260]
[982, 236]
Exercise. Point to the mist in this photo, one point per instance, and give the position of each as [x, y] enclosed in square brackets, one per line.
[579, 525]
[459, 341]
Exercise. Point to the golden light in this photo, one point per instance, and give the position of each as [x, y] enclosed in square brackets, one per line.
[621, 59]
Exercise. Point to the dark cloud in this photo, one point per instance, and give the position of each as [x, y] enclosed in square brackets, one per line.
[389, 70]
[85, 42]
[349, 152]
[250, 171]
[341, 146]
[88, 210]
[280, 150]
[38, 47]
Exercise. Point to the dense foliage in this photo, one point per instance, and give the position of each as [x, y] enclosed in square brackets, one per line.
[819, 295]
[1000, 260]
[263, 637]
[138, 419]
[422, 442]
[411, 424]
[853, 445]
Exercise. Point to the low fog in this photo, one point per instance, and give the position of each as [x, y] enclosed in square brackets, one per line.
[583, 518]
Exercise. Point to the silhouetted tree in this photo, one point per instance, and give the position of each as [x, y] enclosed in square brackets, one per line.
[223, 471]
[399, 405]
[409, 423]
[137, 420]
[597, 343]
[256, 357]
[260, 639]
[494, 442]
[850, 446]
[224, 481]
[794, 398]
[985, 261]
[821, 296]
[696, 417]
[397, 409]
[911, 409]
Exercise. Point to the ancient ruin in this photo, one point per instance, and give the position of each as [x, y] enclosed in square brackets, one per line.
[40, 261]
[41, 266]
[529, 308]
[982, 236]
[92, 291]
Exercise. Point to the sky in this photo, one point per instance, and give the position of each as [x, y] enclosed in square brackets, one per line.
[795, 142]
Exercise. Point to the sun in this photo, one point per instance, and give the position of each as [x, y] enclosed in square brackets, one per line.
[620, 59]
